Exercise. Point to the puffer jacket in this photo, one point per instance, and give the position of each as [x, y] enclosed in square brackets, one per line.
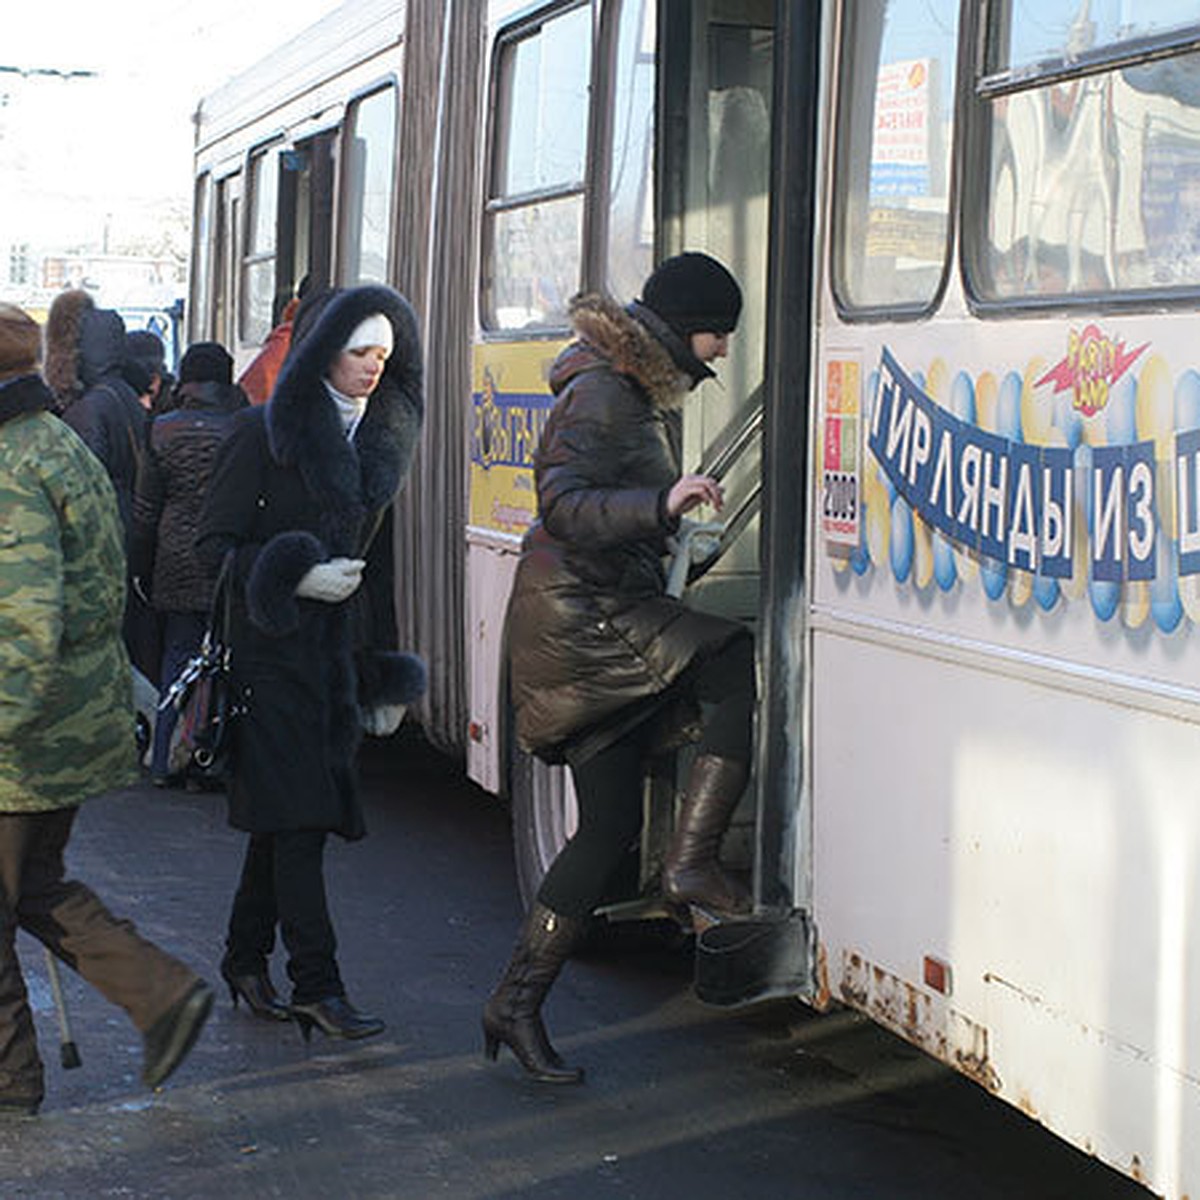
[170, 492]
[594, 642]
[66, 697]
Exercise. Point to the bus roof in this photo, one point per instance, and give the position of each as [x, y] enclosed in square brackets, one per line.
[346, 36]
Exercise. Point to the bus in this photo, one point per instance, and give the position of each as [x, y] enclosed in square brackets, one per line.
[959, 433]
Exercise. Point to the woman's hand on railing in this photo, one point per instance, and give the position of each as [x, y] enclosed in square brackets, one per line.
[690, 491]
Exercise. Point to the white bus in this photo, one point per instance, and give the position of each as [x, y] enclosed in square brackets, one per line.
[960, 434]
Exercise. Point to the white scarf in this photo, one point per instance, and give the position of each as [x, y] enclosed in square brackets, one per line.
[350, 408]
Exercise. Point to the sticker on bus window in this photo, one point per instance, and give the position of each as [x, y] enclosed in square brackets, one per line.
[840, 456]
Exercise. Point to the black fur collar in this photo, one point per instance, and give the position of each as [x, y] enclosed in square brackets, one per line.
[25, 394]
[303, 426]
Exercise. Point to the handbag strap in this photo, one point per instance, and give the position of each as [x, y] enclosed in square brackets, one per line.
[220, 610]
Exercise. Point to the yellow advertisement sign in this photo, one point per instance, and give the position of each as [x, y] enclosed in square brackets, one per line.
[510, 401]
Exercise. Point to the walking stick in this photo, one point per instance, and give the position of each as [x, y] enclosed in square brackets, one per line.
[70, 1052]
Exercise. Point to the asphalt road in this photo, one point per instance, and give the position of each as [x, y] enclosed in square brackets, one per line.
[681, 1101]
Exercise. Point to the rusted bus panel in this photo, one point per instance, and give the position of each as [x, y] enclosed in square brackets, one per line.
[923, 1018]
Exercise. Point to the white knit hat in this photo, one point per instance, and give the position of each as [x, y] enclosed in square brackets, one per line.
[375, 330]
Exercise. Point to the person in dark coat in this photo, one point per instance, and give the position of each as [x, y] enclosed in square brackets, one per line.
[84, 368]
[605, 668]
[300, 487]
[166, 515]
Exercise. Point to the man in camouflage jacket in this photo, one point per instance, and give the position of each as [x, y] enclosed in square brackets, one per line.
[66, 727]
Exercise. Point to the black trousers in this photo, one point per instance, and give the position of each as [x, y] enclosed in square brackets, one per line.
[68, 918]
[608, 786]
[283, 883]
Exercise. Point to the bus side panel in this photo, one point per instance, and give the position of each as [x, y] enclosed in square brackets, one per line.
[509, 406]
[973, 833]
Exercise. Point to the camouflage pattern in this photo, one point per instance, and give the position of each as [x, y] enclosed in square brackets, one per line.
[66, 697]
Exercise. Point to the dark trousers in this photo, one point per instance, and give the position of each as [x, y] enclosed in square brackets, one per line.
[608, 786]
[283, 883]
[69, 919]
[182, 633]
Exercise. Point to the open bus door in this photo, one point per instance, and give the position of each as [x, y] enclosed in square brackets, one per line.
[736, 150]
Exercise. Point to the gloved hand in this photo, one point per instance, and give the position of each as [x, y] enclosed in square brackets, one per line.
[332, 581]
[382, 720]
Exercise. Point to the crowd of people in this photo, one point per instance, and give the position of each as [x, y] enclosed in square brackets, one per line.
[126, 492]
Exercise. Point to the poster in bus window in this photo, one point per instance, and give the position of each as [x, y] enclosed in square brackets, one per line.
[1071, 479]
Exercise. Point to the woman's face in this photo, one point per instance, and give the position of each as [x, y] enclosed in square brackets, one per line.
[707, 346]
[356, 373]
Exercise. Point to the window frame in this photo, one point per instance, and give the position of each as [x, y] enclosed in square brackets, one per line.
[341, 190]
[519, 30]
[248, 258]
[974, 139]
[906, 311]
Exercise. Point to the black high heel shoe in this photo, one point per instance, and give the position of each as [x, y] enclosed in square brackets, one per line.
[258, 992]
[335, 1017]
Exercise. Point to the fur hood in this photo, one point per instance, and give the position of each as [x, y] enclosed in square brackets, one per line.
[64, 332]
[303, 426]
[609, 331]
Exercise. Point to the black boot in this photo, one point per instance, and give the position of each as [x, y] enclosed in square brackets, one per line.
[167, 1042]
[691, 872]
[335, 1017]
[512, 1015]
[256, 988]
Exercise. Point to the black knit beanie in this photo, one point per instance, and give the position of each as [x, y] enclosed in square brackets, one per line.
[694, 293]
[206, 362]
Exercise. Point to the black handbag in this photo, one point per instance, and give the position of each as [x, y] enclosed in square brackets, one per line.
[203, 694]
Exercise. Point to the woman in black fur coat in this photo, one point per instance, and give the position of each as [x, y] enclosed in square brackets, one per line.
[298, 492]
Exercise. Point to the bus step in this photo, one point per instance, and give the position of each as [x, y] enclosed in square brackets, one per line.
[738, 962]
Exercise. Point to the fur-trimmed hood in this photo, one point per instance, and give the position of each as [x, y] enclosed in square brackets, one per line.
[303, 426]
[609, 332]
[83, 345]
[64, 332]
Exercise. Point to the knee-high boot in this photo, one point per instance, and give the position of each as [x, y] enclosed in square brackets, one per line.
[512, 1015]
[691, 871]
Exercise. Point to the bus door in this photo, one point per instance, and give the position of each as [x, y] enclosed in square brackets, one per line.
[715, 87]
[305, 219]
[733, 122]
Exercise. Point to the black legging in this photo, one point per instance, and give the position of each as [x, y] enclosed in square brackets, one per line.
[608, 786]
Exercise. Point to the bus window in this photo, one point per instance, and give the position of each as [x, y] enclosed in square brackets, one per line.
[895, 126]
[1059, 33]
[368, 189]
[224, 259]
[631, 172]
[258, 264]
[198, 314]
[1091, 185]
[535, 208]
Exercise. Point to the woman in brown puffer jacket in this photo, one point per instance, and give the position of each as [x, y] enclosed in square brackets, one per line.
[600, 657]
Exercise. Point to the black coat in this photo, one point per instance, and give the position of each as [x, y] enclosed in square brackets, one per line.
[595, 644]
[108, 414]
[289, 491]
[171, 483]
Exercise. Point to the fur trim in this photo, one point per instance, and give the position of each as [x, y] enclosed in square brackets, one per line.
[391, 677]
[64, 328]
[629, 346]
[271, 588]
[304, 430]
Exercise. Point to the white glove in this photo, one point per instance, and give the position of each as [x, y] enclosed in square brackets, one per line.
[332, 581]
[382, 720]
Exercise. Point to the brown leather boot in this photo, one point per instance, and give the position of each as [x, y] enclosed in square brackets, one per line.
[691, 871]
[512, 1015]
